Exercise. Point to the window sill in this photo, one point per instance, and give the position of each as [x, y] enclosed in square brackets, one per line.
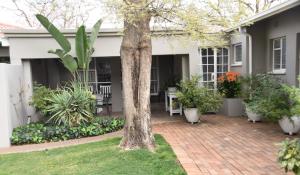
[277, 72]
[237, 64]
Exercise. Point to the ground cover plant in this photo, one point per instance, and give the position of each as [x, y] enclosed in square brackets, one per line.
[41, 132]
[101, 158]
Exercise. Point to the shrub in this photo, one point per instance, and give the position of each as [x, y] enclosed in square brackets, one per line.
[289, 155]
[40, 133]
[229, 85]
[265, 94]
[190, 95]
[71, 106]
[38, 99]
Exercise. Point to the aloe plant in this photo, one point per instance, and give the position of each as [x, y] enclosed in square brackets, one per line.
[83, 46]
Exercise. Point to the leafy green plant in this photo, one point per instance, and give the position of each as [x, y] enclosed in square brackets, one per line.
[84, 46]
[40, 133]
[265, 94]
[38, 99]
[191, 95]
[71, 106]
[289, 156]
[294, 99]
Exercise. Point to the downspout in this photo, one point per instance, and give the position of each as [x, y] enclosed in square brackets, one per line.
[250, 49]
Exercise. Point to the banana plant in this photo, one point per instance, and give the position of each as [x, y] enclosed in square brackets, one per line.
[83, 46]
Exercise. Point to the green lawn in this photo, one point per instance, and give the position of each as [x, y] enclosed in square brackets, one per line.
[94, 158]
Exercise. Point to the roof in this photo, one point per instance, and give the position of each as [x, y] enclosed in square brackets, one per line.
[41, 33]
[289, 4]
[4, 26]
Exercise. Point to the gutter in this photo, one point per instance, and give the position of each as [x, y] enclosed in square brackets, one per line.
[250, 49]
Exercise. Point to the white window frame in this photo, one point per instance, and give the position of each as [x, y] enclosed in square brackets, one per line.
[280, 70]
[235, 62]
[214, 77]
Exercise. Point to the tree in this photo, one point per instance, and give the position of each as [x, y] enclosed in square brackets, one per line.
[64, 13]
[201, 21]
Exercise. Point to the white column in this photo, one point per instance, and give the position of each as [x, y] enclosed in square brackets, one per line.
[4, 109]
[28, 90]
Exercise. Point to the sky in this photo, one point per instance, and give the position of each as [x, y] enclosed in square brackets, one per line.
[8, 16]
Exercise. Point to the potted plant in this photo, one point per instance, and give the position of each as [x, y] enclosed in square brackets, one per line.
[280, 103]
[289, 156]
[229, 86]
[197, 100]
[250, 94]
[291, 123]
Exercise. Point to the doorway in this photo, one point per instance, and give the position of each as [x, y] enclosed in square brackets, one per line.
[213, 64]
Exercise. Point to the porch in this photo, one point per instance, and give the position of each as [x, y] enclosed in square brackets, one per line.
[105, 76]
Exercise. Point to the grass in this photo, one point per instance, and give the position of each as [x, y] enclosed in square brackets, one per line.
[101, 158]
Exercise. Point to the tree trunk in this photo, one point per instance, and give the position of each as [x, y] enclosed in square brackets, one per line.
[136, 62]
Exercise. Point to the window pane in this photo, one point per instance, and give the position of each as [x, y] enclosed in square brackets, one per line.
[219, 60]
[219, 52]
[204, 52]
[238, 53]
[210, 60]
[204, 60]
[225, 68]
[219, 68]
[225, 59]
[277, 57]
[210, 51]
[204, 68]
[210, 68]
[276, 43]
[225, 51]
[283, 52]
[204, 77]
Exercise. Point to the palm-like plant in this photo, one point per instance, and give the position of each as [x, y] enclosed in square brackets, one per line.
[71, 106]
[84, 47]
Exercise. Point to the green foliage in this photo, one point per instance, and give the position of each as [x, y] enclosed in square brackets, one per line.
[84, 46]
[40, 133]
[71, 106]
[294, 99]
[190, 95]
[289, 155]
[265, 94]
[38, 99]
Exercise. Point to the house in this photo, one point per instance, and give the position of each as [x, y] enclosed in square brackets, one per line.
[4, 50]
[269, 42]
[265, 43]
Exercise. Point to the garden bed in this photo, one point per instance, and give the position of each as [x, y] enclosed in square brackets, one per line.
[40, 133]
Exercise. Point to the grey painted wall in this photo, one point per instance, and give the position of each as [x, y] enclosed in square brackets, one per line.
[286, 24]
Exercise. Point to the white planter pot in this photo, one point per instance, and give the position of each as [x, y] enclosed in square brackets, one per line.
[252, 116]
[232, 107]
[191, 115]
[288, 126]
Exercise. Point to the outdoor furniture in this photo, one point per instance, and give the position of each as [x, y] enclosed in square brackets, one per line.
[102, 102]
[170, 96]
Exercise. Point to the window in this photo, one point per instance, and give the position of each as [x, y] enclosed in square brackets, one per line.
[237, 53]
[213, 64]
[279, 55]
[154, 88]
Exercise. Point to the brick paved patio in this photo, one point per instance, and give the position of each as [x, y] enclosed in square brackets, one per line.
[224, 145]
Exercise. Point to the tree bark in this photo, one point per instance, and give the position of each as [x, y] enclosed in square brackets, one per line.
[136, 59]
